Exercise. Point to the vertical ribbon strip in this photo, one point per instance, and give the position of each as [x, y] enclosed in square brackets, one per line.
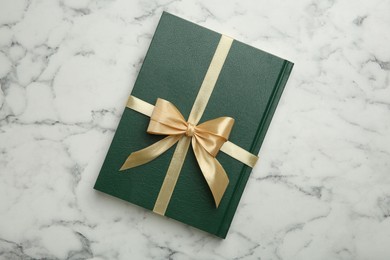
[196, 113]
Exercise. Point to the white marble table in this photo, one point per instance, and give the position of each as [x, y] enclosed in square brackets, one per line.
[320, 191]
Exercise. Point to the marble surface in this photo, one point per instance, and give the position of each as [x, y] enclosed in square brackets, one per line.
[320, 191]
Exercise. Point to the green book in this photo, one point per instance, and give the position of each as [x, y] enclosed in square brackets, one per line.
[248, 89]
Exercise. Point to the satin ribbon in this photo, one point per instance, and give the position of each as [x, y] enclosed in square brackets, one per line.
[207, 139]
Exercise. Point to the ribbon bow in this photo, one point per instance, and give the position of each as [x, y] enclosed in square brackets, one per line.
[206, 138]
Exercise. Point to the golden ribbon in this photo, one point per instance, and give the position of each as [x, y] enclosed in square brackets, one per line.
[207, 138]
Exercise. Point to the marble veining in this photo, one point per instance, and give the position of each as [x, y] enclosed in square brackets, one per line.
[320, 191]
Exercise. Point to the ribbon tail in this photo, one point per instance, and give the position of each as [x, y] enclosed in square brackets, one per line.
[213, 172]
[149, 153]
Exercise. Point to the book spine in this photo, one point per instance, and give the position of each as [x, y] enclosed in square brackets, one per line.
[261, 132]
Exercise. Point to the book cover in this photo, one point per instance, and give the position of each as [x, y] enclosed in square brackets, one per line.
[248, 89]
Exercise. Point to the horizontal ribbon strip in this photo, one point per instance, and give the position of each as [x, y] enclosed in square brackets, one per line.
[228, 147]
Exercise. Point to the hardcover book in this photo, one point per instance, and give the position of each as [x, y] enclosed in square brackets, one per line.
[247, 89]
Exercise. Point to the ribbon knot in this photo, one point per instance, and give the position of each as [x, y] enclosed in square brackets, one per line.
[190, 129]
[206, 139]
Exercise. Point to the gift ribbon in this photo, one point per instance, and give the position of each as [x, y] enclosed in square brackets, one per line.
[207, 138]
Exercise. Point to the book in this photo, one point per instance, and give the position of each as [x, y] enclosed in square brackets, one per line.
[248, 89]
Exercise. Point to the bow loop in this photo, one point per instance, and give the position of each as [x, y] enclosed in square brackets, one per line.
[166, 119]
[220, 126]
[212, 134]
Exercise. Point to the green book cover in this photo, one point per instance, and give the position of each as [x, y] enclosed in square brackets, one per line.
[248, 90]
